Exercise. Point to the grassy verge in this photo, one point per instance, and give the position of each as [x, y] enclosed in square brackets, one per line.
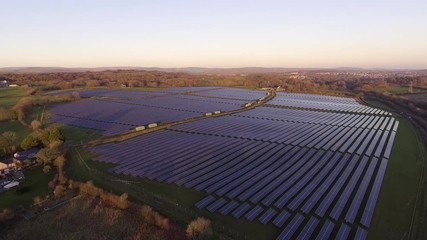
[10, 96]
[36, 184]
[76, 134]
[393, 214]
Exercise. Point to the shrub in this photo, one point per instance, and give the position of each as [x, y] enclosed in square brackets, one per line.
[29, 142]
[59, 191]
[46, 169]
[199, 229]
[151, 217]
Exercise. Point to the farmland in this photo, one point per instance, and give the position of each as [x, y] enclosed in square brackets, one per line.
[308, 165]
[10, 96]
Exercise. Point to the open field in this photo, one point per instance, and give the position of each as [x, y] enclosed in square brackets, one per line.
[15, 126]
[420, 97]
[10, 96]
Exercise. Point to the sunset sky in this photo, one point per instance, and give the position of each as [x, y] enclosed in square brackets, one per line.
[220, 33]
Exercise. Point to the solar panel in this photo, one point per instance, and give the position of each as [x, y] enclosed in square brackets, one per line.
[373, 196]
[281, 218]
[326, 230]
[308, 229]
[216, 205]
[361, 234]
[291, 228]
[253, 213]
[228, 208]
[205, 201]
[343, 232]
[242, 209]
[267, 216]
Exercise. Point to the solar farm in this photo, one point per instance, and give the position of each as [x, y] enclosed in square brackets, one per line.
[310, 165]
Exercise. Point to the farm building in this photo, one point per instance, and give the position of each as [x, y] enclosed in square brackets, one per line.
[18, 159]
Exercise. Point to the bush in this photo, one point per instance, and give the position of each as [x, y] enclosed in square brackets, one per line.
[59, 191]
[199, 229]
[6, 214]
[35, 124]
[37, 201]
[151, 217]
[46, 169]
[7, 114]
[29, 142]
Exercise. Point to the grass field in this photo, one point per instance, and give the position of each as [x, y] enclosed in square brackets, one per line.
[36, 184]
[400, 89]
[76, 134]
[394, 210]
[15, 126]
[10, 96]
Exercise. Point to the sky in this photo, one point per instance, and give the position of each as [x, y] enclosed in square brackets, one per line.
[215, 33]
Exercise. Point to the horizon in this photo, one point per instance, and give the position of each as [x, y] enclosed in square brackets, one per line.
[225, 34]
[343, 68]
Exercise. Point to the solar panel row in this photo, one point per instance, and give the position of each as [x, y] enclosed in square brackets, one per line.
[323, 103]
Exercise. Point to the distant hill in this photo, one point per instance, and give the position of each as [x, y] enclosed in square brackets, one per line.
[191, 70]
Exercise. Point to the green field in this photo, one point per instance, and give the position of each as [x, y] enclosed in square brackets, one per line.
[399, 89]
[393, 214]
[15, 126]
[10, 96]
[36, 184]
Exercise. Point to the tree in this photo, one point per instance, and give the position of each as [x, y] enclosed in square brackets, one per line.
[89, 189]
[29, 142]
[35, 124]
[8, 142]
[46, 169]
[6, 214]
[47, 155]
[93, 83]
[51, 134]
[199, 229]
[122, 202]
[55, 135]
[59, 162]
[59, 191]
[37, 201]
[152, 217]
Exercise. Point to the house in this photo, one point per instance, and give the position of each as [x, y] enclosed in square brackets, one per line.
[26, 155]
[3, 83]
[18, 158]
[6, 164]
